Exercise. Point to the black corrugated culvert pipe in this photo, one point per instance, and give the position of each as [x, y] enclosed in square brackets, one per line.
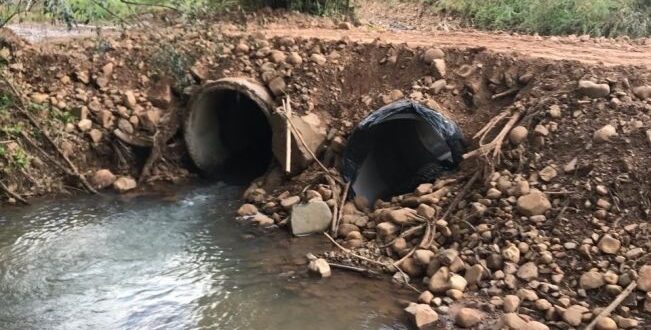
[398, 147]
[227, 131]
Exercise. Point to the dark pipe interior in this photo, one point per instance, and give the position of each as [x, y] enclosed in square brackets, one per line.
[405, 153]
[244, 133]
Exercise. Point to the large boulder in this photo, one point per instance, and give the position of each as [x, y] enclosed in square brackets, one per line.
[103, 178]
[310, 127]
[309, 218]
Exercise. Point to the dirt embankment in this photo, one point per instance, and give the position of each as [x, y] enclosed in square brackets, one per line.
[544, 236]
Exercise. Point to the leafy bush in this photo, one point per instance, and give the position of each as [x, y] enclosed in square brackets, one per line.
[595, 17]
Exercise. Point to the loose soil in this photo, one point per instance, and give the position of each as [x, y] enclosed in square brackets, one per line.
[598, 189]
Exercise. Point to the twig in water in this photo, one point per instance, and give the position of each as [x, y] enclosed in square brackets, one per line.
[364, 271]
[10, 193]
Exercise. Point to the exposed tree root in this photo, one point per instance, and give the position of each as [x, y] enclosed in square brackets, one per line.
[21, 107]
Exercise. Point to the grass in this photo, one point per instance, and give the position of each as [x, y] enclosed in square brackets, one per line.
[609, 18]
[119, 11]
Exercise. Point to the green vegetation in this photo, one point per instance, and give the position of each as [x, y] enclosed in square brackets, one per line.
[608, 18]
[20, 158]
[120, 11]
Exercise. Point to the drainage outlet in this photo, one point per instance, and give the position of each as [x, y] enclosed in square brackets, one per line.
[227, 131]
[398, 147]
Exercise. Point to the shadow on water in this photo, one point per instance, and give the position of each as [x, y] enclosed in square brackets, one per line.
[177, 261]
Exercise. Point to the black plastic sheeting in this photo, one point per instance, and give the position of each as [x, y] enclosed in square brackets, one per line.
[398, 147]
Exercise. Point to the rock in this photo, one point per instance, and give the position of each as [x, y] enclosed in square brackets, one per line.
[535, 325]
[643, 92]
[277, 86]
[593, 90]
[511, 253]
[495, 261]
[518, 134]
[533, 203]
[542, 304]
[160, 95]
[95, 135]
[604, 134]
[591, 280]
[528, 271]
[514, 321]
[474, 274]
[102, 179]
[385, 229]
[130, 100]
[107, 69]
[277, 56]
[548, 173]
[423, 257]
[644, 280]
[402, 216]
[320, 266]
[425, 297]
[262, 220]
[247, 210]
[242, 47]
[573, 315]
[422, 315]
[124, 184]
[439, 67]
[39, 98]
[84, 125]
[318, 59]
[609, 244]
[125, 126]
[457, 282]
[432, 54]
[511, 303]
[628, 323]
[605, 323]
[289, 202]
[295, 58]
[468, 317]
[312, 217]
[345, 26]
[438, 283]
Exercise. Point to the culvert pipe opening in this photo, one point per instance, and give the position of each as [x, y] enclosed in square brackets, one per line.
[227, 131]
[398, 147]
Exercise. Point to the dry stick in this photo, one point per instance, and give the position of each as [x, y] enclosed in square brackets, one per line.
[505, 93]
[33, 121]
[341, 209]
[351, 253]
[612, 305]
[335, 209]
[10, 193]
[496, 144]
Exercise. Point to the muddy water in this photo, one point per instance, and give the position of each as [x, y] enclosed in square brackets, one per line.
[171, 262]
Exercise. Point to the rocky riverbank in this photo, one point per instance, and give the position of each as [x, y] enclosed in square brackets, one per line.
[542, 228]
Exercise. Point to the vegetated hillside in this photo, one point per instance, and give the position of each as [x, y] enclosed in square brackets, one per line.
[609, 18]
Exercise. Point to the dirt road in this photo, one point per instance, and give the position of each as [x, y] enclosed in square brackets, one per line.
[606, 52]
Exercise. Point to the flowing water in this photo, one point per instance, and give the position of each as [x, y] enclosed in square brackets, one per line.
[172, 261]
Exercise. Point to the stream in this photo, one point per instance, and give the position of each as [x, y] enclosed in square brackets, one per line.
[172, 260]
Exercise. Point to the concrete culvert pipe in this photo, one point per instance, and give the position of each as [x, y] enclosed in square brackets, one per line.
[227, 130]
[398, 147]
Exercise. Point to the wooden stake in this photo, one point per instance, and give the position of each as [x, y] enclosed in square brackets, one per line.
[288, 135]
